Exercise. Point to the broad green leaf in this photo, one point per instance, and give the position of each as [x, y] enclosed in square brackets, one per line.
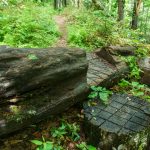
[48, 146]
[99, 88]
[93, 95]
[90, 147]
[139, 94]
[94, 88]
[103, 96]
[124, 83]
[37, 142]
[134, 84]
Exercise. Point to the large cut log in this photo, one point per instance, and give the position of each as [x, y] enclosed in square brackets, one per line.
[123, 124]
[101, 72]
[37, 83]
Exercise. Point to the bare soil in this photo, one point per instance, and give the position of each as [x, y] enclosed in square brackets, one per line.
[61, 22]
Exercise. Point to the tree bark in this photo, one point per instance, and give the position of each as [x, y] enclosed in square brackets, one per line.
[55, 4]
[37, 83]
[135, 15]
[121, 4]
[96, 5]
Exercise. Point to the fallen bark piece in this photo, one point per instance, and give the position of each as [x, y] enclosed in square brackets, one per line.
[38, 83]
[121, 123]
[111, 53]
[144, 65]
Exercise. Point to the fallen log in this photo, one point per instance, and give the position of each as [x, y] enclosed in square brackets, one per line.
[37, 83]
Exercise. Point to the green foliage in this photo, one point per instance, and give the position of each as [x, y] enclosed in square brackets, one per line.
[100, 93]
[59, 132]
[134, 69]
[46, 145]
[89, 29]
[43, 145]
[135, 88]
[27, 25]
[73, 130]
[84, 146]
[93, 29]
[142, 52]
[66, 129]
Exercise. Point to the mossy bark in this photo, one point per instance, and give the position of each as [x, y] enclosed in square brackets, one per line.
[38, 83]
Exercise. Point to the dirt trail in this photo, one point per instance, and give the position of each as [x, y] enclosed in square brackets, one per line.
[61, 22]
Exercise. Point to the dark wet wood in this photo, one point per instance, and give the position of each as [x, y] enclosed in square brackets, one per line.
[120, 122]
[103, 73]
[38, 83]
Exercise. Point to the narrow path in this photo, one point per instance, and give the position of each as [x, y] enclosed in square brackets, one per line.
[61, 22]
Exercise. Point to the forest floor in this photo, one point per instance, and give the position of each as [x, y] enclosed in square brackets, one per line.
[21, 140]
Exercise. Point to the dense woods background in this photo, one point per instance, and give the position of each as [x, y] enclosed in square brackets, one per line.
[97, 23]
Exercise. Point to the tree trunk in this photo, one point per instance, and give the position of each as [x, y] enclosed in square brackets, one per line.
[37, 83]
[96, 5]
[55, 4]
[121, 4]
[65, 3]
[135, 15]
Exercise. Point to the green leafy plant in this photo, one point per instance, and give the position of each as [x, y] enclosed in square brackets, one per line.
[73, 130]
[135, 88]
[21, 28]
[84, 146]
[103, 29]
[46, 145]
[134, 69]
[43, 145]
[142, 52]
[124, 83]
[100, 93]
[66, 129]
[59, 132]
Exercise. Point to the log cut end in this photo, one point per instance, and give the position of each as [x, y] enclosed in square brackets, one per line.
[124, 122]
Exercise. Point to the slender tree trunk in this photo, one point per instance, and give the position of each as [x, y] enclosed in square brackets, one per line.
[121, 4]
[136, 9]
[96, 5]
[65, 3]
[60, 3]
[78, 3]
[55, 4]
